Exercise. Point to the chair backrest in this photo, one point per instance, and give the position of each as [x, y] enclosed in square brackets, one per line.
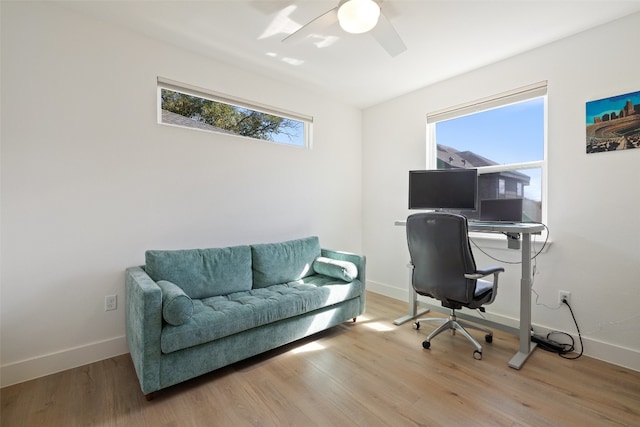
[441, 256]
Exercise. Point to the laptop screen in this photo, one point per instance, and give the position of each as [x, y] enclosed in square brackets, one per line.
[509, 210]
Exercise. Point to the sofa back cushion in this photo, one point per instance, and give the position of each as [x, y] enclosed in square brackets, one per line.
[276, 263]
[203, 273]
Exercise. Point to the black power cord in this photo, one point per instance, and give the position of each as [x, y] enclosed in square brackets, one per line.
[563, 349]
[533, 257]
[546, 343]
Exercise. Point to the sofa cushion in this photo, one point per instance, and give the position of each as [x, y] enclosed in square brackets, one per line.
[203, 273]
[177, 307]
[343, 270]
[275, 263]
[220, 316]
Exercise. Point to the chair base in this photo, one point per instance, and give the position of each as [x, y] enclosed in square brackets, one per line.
[453, 324]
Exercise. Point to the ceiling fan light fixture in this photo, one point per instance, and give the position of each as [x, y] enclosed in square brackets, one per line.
[358, 16]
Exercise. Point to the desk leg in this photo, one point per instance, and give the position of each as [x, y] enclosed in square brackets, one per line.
[413, 306]
[413, 309]
[526, 346]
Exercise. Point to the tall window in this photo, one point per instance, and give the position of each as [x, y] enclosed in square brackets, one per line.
[504, 138]
[196, 108]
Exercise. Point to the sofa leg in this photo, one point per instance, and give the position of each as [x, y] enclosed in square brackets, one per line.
[354, 320]
[149, 396]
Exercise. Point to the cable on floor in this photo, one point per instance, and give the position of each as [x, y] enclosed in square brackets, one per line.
[564, 349]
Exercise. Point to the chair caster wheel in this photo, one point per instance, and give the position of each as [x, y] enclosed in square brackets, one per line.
[488, 338]
[416, 325]
[426, 345]
[477, 355]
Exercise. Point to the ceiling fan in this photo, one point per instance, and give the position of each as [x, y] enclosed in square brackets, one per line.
[356, 17]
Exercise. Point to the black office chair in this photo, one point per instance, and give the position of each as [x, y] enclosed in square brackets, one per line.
[444, 269]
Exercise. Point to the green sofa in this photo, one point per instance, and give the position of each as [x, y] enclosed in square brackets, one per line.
[189, 312]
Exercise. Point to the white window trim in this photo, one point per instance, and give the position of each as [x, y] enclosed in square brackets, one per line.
[164, 83]
[509, 97]
[524, 93]
[510, 167]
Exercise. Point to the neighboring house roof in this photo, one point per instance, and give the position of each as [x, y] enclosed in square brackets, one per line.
[462, 159]
[172, 118]
[469, 160]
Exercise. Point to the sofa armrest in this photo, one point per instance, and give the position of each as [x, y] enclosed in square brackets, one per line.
[359, 260]
[143, 317]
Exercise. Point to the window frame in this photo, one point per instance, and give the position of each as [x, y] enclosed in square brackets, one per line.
[526, 93]
[175, 86]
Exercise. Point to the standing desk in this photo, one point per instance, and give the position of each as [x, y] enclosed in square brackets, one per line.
[526, 229]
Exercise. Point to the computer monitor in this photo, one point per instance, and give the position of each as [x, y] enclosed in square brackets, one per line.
[509, 210]
[443, 189]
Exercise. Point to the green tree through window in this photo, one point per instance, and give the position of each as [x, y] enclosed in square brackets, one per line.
[232, 119]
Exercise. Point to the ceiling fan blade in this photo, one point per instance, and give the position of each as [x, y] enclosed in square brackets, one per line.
[322, 21]
[388, 37]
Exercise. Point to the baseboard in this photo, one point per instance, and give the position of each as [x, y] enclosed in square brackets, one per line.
[36, 367]
[387, 290]
[620, 356]
[606, 352]
[29, 369]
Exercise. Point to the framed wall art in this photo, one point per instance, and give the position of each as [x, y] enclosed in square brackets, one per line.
[613, 123]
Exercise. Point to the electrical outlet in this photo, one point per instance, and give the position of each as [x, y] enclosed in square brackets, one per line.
[564, 296]
[110, 302]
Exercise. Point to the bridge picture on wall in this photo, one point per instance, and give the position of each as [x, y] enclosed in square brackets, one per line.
[613, 123]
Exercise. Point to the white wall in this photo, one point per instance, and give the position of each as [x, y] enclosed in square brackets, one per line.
[90, 180]
[594, 199]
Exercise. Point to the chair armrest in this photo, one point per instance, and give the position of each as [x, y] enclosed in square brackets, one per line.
[489, 270]
[480, 273]
[143, 318]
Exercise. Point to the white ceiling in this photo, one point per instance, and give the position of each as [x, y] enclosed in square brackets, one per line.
[444, 38]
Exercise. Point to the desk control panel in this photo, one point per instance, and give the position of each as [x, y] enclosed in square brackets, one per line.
[513, 240]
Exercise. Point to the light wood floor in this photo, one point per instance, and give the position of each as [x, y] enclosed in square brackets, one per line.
[368, 373]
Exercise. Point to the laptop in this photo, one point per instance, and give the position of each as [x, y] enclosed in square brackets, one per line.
[501, 210]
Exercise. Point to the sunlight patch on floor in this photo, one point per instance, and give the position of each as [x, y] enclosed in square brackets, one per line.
[364, 320]
[312, 346]
[378, 326]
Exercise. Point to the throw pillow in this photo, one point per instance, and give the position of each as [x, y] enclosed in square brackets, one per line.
[343, 270]
[177, 307]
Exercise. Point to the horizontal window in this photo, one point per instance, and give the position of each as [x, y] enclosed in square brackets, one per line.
[187, 106]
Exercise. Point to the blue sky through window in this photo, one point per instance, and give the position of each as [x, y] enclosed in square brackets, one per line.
[510, 134]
